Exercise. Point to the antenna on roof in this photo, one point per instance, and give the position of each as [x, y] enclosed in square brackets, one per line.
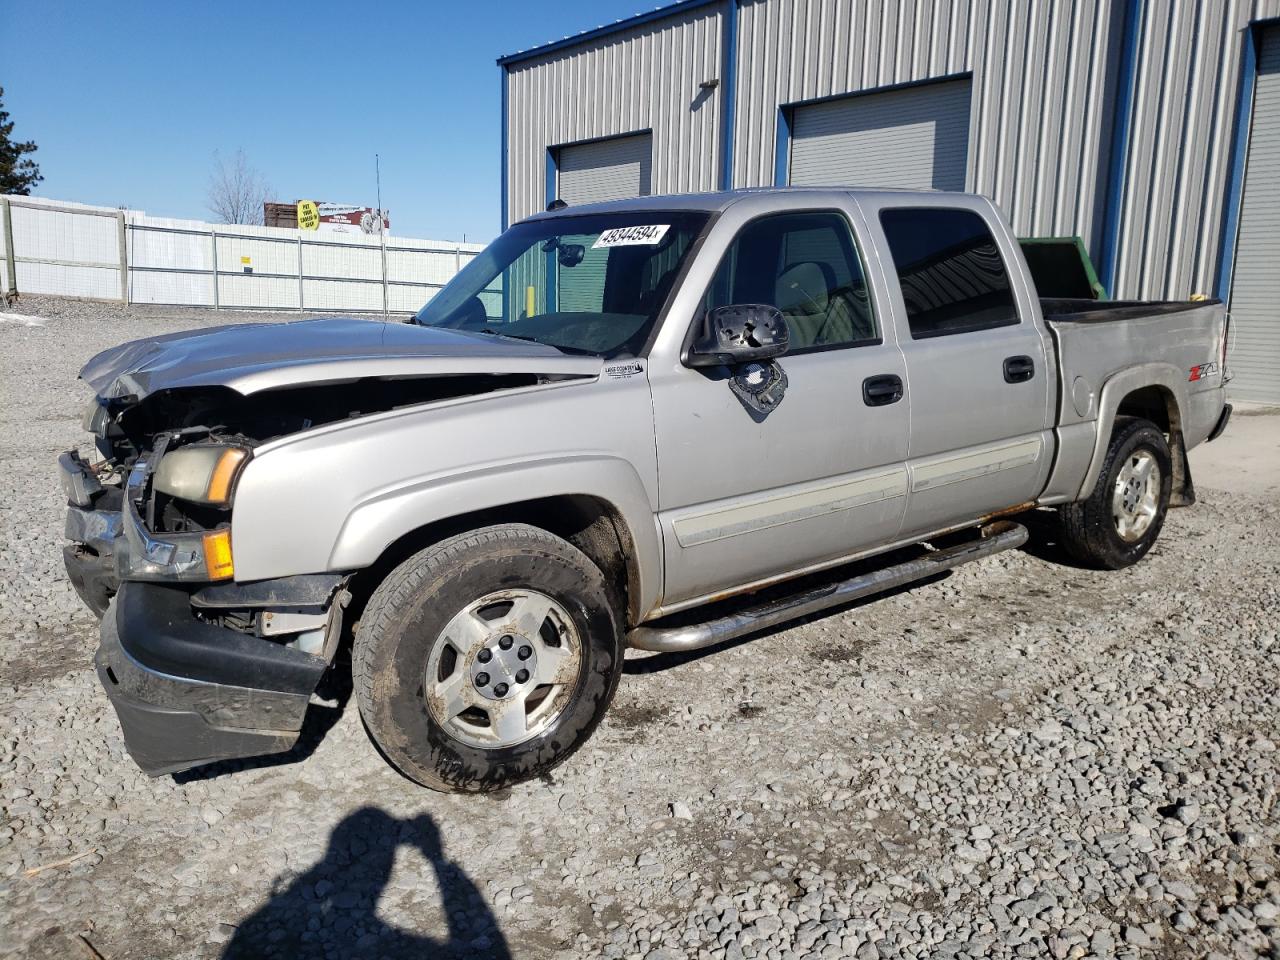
[556, 204]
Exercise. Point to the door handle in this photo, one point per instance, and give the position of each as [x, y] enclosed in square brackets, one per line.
[1019, 369]
[881, 390]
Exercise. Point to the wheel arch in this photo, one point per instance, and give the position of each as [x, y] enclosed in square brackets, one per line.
[615, 529]
[1154, 392]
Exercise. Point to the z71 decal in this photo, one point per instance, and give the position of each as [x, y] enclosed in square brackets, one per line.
[1203, 372]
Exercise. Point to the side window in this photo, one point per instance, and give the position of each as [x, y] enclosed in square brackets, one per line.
[953, 279]
[804, 264]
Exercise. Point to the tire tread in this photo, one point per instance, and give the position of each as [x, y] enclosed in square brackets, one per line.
[1087, 524]
[377, 626]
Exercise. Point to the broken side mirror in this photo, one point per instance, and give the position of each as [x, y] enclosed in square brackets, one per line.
[737, 334]
[571, 254]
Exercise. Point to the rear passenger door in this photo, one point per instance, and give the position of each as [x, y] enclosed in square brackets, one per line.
[978, 380]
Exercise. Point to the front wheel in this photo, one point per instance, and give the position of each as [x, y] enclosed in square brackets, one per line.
[488, 658]
[1121, 519]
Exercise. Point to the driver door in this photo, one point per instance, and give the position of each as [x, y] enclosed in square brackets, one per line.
[744, 499]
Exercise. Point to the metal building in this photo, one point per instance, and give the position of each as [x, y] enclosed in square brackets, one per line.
[1150, 128]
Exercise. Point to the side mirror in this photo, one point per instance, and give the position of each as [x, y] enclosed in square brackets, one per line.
[741, 333]
[571, 254]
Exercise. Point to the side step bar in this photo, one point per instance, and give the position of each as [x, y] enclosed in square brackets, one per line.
[996, 538]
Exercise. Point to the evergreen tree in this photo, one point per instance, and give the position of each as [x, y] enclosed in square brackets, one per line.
[18, 173]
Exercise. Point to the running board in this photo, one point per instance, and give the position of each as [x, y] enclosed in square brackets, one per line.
[995, 538]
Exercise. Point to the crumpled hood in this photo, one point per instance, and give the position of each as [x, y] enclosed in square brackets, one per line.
[253, 357]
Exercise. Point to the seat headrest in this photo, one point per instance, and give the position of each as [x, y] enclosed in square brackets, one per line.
[802, 289]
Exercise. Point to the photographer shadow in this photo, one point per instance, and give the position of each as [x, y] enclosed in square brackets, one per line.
[331, 911]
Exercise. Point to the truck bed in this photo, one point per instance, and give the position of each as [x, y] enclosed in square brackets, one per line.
[1179, 342]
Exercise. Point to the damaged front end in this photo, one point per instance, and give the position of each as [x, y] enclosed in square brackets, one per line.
[197, 666]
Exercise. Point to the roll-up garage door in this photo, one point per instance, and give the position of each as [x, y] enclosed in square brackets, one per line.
[605, 170]
[1255, 287]
[916, 137]
[610, 169]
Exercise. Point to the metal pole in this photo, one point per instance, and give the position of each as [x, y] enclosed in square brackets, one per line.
[383, 237]
[299, 271]
[12, 285]
[124, 257]
[457, 259]
[382, 233]
[213, 235]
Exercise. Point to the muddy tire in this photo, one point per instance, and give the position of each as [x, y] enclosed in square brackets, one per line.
[487, 659]
[1121, 519]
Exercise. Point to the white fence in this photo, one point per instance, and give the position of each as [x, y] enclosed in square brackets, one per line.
[75, 250]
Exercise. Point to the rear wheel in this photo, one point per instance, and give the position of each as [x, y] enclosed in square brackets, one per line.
[487, 659]
[1121, 519]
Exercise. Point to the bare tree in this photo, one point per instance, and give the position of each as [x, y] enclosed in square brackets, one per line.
[236, 190]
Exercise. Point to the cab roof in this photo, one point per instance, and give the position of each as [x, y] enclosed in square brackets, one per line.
[719, 200]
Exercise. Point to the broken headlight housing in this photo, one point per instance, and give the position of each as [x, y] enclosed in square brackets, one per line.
[201, 473]
[179, 513]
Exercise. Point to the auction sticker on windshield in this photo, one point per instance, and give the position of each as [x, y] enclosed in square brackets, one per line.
[645, 234]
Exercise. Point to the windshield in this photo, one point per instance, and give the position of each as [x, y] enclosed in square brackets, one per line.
[591, 284]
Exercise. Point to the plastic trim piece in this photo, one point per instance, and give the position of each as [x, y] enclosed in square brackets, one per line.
[304, 590]
[1221, 425]
[159, 633]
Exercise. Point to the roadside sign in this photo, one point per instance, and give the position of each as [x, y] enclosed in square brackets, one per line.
[308, 215]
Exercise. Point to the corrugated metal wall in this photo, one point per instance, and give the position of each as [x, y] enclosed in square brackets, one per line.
[1039, 75]
[645, 77]
[1046, 76]
[1188, 83]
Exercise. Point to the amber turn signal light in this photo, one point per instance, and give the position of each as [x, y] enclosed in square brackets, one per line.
[217, 555]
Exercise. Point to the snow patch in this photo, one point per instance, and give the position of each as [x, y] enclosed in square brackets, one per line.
[22, 319]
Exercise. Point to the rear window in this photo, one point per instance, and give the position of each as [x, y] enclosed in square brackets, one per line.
[953, 278]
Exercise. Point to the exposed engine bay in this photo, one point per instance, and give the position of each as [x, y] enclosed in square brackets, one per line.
[155, 502]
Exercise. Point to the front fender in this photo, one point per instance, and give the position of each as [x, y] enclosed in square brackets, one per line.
[1164, 375]
[334, 498]
[380, 520]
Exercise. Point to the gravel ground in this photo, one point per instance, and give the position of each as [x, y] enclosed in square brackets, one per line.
[1024, 759]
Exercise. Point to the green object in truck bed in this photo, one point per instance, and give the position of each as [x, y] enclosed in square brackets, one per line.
[1061, 268]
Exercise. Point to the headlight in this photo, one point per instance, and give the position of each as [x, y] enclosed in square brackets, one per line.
[95, 419]
[200, 474]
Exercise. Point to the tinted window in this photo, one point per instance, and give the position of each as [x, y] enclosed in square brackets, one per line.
[804, 264]
[953, 280]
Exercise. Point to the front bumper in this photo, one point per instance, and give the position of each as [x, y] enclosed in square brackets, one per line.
[189, 693]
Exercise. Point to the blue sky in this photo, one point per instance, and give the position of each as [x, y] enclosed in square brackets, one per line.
[129, 100]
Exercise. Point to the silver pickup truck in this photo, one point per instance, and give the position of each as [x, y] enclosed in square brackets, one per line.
[659, 423]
